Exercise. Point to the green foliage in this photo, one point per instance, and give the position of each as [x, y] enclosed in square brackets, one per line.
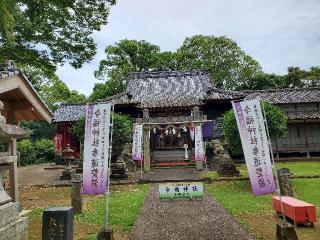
[122, 58]
[124, 206]
[298, 169]
[227, 64]
[78, 129]
[27, 152]
[56, 91]
[44, 149]
[51, 88]
[46, 33]
[293, 79]
[39, 129]
[122, 130]
[219, 56]
[277, 125]
[37, 152]
[232, 193]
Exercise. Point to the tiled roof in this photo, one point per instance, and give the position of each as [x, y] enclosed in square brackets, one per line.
[69, 113]
[169, 89]
[6, 74]
[288, 95]
[302, 115]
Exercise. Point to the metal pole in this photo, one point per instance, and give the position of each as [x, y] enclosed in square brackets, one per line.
[109, 167]
[272, 160]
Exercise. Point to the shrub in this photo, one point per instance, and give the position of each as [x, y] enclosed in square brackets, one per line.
[277, 125]
[37, 152]
[27, 152]
[44, 150]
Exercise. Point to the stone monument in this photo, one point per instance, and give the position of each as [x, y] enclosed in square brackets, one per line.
[57, 223]
[12, 226]
[286, 188]
[223, 161]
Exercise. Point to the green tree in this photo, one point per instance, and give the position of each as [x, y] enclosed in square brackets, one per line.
[277, 125]
[45, 33]
[228, 65]
[263, 81]
[56, 91]
[122, 58]
[221, 57]
[122, 131]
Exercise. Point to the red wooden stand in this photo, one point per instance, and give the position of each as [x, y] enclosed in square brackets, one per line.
[297, 210]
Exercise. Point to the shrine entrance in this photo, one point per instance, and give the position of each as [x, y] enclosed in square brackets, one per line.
[171, 143]
[170, 140]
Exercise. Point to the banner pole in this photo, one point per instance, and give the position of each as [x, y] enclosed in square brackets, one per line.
[273, 162]
[109, 168]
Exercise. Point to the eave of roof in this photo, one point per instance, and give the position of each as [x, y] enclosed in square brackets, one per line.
[16, 72]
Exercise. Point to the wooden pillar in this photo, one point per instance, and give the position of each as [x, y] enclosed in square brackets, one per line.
[13, 173]
[197, 117]
[305, 134]
[146, 140]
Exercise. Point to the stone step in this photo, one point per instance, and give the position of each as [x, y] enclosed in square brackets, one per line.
[168, 155]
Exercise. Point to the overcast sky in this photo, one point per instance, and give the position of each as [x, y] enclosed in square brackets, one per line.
[277, 33]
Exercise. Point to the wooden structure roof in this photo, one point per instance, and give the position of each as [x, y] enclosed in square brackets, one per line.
[287, 95]
[69, 113]
[169, 89]
[291, 96]
[21, 101]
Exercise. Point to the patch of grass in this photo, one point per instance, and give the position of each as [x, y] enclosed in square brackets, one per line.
[35, 213]
[298, 169]
[237, 198]
[124, 205]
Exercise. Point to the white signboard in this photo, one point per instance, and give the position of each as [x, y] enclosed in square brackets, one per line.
[96, 149]
[181, 190]
[255, 145]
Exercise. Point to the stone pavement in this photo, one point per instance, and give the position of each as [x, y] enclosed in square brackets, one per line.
[203, 219]
[173, 174]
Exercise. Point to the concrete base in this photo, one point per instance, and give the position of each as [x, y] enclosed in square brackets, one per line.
[105, 234]
[12, 226]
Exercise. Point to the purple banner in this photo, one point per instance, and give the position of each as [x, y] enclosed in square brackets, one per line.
[137, 142]
[96, 149]
[199, 149]
[255, 146]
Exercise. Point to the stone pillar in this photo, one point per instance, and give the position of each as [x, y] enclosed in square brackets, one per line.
[146, 140]
[284, 175]
[13, 173]
[76, 197]
[197, 117]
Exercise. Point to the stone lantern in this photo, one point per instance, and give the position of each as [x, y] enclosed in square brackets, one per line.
[68, 157]
[12, 226]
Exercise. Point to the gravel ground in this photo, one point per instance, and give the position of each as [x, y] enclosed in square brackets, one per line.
[203, 219]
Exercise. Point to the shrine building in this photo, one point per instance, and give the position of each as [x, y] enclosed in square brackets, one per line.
[170, 103]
